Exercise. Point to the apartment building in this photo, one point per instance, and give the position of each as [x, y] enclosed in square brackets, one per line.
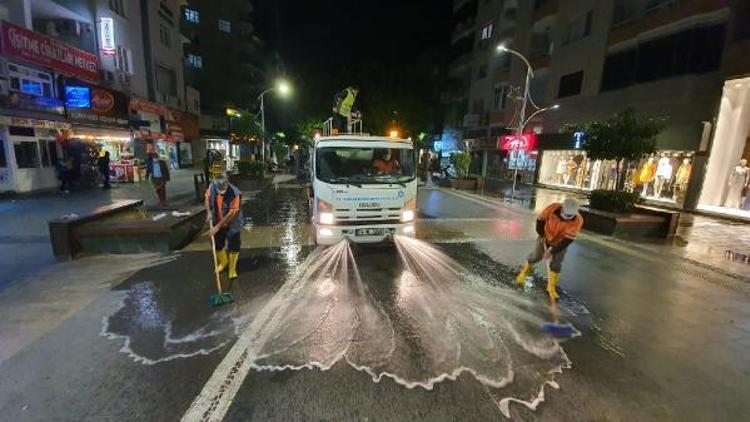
[594, 58]
[223, 61]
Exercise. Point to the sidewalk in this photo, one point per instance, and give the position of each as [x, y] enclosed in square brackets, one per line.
[710, 242]
[24, 236]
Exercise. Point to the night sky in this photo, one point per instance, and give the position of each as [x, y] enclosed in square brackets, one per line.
[324, 45]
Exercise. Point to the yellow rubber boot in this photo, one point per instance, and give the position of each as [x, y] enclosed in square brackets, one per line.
[521, 277]
[552, 285]
[222, 260]
[233, 258]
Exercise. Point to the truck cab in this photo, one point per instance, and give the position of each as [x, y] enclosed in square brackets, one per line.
[364, 189]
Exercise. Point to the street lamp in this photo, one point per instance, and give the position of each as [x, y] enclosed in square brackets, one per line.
[522, 120]
[283, 88]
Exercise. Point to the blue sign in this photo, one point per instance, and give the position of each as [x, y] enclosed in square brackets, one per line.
[578, 137]
[78, 97]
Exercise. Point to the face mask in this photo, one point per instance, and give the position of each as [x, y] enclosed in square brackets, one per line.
[567, 217]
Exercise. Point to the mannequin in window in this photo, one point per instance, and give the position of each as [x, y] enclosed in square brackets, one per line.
[570, 170]
[646, 176]
[663, 175]
[560, 171]
[738, 180]
[682, 178]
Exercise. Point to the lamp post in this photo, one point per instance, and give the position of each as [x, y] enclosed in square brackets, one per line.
[283, 89]
[522, 120]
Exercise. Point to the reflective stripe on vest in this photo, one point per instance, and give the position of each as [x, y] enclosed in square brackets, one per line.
[345, 108]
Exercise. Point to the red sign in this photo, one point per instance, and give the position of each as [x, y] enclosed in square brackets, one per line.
[526, 142]
[20, 43]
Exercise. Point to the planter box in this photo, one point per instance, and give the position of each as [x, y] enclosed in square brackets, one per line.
[474, 183]
[644, 222]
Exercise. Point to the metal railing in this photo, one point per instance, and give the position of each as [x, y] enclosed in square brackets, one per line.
[354, 127]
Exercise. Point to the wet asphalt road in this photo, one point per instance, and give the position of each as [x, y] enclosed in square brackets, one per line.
[661, 340]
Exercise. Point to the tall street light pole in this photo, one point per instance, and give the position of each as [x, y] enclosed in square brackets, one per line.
[522, 120]
[283, 89]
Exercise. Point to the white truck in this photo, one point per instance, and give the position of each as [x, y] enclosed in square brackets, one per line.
[364, 188]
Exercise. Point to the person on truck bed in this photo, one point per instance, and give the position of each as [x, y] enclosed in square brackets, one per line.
[387, 164]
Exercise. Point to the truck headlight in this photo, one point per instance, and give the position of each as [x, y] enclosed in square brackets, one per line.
[409, 211]
[325, 212]
[325, 218]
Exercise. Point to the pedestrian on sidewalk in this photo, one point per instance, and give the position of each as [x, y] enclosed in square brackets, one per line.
[158, 171]
[103, 164]
[557, 227]
[64, 174]
[224, 212]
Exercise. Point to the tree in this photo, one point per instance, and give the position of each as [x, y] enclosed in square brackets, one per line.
[246, 125]
[307, 129]
[625, 138]
[461, 161]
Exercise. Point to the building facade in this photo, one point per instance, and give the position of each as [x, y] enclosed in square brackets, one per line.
[665, 58]
[81, 77]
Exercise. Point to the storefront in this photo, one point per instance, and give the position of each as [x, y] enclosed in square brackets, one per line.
[100, 119]
[225, 154]
[725, 187]
[662, 179]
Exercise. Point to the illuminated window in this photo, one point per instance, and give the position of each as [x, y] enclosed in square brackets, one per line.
[192, 16]
[225, 26]
[29, 81]
[487, 32]
[195, 61]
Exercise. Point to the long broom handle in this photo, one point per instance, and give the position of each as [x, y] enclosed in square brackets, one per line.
[213, 252]
[552, 302]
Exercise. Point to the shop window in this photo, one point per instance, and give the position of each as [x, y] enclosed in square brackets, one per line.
[27, 154]
[570, 84]
[3, 159]
[192, 16]
[53, 157]
[29, 80]
[165, 36]
[45, 153]
[117, 6]
[225, 26]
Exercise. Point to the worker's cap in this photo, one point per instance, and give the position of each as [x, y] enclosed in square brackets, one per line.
[569, 208]
[221, 182]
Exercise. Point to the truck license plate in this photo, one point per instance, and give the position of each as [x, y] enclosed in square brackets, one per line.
[370, 232]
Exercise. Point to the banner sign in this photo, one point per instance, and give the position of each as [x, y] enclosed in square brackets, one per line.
[20, 43]
[101, 106]
[107, 36]
[22, 101]
[526, 142]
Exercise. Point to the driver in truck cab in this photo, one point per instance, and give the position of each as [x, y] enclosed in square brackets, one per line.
[387, 164]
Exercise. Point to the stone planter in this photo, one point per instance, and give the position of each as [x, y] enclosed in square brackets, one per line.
[473, 183]
[644, 222]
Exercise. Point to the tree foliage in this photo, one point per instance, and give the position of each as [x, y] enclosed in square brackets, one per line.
[461, 162]
[625, 136]
[306, 129]
[246, 125]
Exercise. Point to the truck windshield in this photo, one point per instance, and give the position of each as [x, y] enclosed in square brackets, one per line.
[364, 165]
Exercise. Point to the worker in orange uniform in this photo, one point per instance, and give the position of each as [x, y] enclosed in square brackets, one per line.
[223, 209]
[387, 164]
[557, 227]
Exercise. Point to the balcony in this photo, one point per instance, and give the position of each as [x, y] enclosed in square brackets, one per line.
[540, 62]
[662, 13]
[544, 9]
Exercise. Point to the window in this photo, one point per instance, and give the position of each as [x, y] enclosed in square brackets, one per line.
[27, 154]
[192, 16]
[486, 32]
[578, 28]
[478, 107]
[124, 59]
[694, 51]
[501, 96]
[165, 36]
[117, 6]
[195, 61]
[570, 84]
[225, 26]
[29, 81]
[166, 80]
[45, 153]
[3, 159]
[52, 148]
[482, 72]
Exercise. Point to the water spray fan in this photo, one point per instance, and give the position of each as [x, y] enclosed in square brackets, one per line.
[220, 297]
